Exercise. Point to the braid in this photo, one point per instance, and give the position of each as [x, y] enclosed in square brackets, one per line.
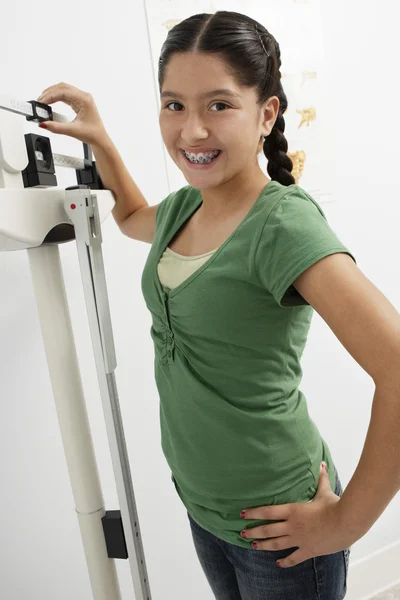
[275, 144]
[275, 148]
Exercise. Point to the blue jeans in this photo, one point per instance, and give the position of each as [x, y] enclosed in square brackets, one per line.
[236, 573]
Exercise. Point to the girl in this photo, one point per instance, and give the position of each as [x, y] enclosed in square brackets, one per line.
[238, 262]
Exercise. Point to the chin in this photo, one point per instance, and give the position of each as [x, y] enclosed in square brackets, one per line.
[199, 186]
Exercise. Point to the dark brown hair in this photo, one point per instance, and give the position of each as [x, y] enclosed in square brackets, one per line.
[252, 56]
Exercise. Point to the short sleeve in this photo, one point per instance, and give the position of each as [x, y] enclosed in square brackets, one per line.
[167, 205]
[296, 235]
[162, 207]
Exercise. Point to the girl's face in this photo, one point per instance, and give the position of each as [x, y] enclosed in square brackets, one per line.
[193, 117]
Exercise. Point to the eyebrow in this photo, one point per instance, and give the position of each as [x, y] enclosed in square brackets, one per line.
[222, 91]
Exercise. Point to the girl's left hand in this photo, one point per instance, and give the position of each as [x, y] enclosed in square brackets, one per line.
[314, 526]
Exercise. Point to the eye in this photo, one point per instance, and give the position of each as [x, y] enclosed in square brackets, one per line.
[170, 104]
[220, 103]
[215, 103]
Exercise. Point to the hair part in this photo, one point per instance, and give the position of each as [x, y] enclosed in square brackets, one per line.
[252, 56]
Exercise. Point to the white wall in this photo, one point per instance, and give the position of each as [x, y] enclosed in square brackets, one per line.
[103, 48]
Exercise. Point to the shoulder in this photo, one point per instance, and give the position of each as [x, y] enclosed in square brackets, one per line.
[295, 199]
[283, 205]
[173, 205]
[295, 235]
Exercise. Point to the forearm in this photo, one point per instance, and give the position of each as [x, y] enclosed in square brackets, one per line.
[377, 478]
[115, 177]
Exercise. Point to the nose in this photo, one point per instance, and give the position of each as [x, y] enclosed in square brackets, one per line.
[193, 130]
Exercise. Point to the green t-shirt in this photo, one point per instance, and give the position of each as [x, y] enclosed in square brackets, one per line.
[228, 340]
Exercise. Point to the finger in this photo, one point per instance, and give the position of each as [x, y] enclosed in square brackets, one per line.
[51, 88]
[280, 543]
[324, 484]
[273, 513]
[62, 92]
[56, 127]
[61, 95]
[47, 90]
[293, 559]
[62, 84]
[266, 531]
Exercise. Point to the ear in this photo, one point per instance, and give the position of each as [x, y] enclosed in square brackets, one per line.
[270, 113]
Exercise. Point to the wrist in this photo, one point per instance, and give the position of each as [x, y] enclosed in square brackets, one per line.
[102, 142]
[346, 522]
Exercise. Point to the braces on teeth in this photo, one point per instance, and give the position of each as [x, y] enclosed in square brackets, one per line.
[207, 158]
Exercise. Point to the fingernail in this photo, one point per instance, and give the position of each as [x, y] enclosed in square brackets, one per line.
[43, 125]
[254, 544]
[243, 513]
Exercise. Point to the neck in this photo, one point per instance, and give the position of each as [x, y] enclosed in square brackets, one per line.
[231, 197]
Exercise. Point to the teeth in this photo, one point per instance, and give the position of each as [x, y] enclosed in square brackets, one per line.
[201, 157]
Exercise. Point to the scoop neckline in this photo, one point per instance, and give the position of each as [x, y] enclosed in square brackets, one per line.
[167, 292]
[184, 257]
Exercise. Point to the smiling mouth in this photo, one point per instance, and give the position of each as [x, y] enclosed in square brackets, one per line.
[202, 161]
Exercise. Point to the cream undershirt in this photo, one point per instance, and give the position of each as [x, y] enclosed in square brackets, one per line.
[174, 268]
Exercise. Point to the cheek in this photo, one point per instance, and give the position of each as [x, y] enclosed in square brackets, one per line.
[163, 123]
[168, 132]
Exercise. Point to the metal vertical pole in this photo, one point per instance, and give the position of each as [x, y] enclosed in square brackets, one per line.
[55, 321]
